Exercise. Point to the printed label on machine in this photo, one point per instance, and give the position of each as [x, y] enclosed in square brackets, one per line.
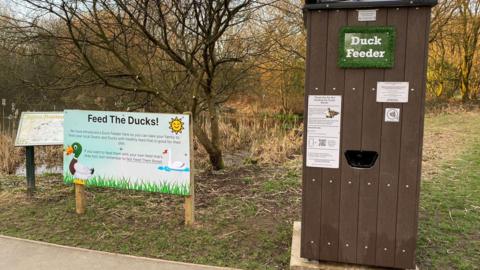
[392, 92]
[392, 115]
[367, 15]
[323, 131]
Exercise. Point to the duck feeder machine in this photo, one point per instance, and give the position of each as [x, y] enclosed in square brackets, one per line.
[364, 106]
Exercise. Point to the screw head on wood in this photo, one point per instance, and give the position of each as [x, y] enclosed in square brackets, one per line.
[388, 185]
[385, 249]
[331, 181]
[349, 182]
[347, 245]
[407, 186]
[334, 88]
[354, 89]
[373, 89]
[403, 251]
[329, 243]
[366, 247]
[312, 242]
[369, 183]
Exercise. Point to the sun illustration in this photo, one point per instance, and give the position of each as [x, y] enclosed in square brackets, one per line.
[176, 125]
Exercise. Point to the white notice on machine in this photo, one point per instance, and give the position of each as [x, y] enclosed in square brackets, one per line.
[367, 15]
[323, 131]
[392, 92]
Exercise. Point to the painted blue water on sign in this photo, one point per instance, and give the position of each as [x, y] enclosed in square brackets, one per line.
[168, 169]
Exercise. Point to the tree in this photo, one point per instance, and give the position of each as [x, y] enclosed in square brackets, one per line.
[453, 51]
[282, 67]
[468, 34]
[176, 54]
[440, 65]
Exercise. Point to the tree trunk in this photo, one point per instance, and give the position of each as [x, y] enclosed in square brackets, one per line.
[211, 145]
[214, 152]
[216, 155]
[464, 81]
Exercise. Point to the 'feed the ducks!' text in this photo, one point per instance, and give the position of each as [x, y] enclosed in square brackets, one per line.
[130, 120]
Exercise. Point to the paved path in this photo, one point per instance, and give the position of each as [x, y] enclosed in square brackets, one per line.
[19, 254]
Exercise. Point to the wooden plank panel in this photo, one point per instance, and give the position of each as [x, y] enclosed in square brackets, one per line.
[412, 126]
[368, 183]
[315, 85]
[390, 151]
[334, 85]
[351, 140]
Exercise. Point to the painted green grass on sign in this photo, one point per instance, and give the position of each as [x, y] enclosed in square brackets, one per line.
[124, 183]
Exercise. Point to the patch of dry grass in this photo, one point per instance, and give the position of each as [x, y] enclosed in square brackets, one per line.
[10, 156]
[258, 139]
[447, 135]
[277, 147]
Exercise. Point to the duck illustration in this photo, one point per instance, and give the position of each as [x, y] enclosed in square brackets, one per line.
[79, 171]
[331, 113]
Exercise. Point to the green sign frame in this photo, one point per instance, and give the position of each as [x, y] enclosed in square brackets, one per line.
[374, 48]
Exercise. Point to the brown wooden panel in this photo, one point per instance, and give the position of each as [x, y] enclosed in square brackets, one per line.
[315, 85]
[366, 216]
[390, 151]
[412, 126]
[334, 85]
[368, 183]
[351, 140]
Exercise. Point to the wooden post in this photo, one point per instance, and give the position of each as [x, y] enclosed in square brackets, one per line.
[30, 169]
[189, 204]
[80, 198]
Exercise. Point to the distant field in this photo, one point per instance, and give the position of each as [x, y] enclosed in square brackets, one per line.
[245, 214]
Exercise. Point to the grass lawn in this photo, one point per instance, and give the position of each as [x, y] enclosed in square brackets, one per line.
[244, 218]
[245, 215]
[449, 229]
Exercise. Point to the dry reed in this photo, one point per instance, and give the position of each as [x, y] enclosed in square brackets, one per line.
[10, 156]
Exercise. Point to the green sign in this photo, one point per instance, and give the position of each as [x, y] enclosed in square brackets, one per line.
[367, 47]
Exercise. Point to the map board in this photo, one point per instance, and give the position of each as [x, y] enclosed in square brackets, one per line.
[140, 151]
[40, 128]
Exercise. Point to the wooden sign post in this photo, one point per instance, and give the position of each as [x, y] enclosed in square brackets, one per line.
[80, 198]
[189, 204]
